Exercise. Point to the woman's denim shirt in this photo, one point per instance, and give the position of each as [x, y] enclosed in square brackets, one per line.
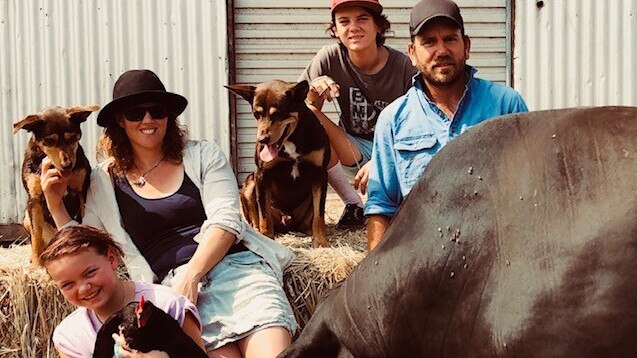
[412, 129]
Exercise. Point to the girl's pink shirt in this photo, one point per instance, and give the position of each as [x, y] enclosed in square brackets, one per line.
[75, 336]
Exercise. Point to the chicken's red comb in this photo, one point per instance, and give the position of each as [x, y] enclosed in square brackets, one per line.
[139, 310]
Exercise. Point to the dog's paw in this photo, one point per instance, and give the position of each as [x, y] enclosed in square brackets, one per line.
[316, 243]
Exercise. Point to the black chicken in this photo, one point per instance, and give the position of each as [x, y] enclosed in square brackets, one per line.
[146, 328]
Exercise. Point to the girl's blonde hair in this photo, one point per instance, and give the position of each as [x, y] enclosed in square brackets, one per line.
[74, 239]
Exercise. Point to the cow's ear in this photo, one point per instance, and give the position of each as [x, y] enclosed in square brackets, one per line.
[245, 91]
[31, 123]
[79, 114]
[299, 91]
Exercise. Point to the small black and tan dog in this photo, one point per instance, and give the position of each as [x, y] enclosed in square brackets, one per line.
[56, 135]
[288, 189]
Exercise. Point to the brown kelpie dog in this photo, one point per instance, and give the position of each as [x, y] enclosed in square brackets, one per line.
[56, 134]
[288, 189]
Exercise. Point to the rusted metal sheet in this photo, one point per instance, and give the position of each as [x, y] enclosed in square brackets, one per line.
[58, 52]
[576, 52]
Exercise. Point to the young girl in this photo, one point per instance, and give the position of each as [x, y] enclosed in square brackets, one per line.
[364, 75]
[82, 261]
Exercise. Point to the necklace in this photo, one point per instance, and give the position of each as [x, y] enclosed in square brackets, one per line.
[141, 180]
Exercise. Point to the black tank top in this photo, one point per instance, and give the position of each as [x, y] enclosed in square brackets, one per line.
[162, 229]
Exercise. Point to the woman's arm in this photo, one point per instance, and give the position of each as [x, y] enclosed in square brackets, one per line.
[219, 190]
[54, 186]
[212, 248]
[220, 197]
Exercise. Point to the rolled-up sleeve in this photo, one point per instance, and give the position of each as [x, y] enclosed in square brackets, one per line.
[383, 187]
[220, 193]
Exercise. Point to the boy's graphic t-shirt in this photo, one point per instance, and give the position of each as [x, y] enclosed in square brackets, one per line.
[360, 107]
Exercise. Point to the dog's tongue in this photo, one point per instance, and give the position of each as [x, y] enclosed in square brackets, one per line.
[268, 152]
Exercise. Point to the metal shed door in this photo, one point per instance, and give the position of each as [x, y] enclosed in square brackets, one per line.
[277, 39]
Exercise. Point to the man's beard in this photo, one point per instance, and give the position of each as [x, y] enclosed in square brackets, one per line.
[447, 79]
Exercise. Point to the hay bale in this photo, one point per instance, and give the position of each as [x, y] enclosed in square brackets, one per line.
[31, 306]
[315, 271]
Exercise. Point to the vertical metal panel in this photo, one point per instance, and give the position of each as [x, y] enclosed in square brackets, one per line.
[571, 53]
[277, 39]
[57, 52]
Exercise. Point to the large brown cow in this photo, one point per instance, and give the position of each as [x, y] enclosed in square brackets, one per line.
[520, 240]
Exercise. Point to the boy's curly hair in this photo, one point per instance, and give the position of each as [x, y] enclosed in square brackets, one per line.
[379, 19]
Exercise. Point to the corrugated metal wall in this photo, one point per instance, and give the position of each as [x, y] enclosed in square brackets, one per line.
[277, 39]
[58, 52]
[576, 52]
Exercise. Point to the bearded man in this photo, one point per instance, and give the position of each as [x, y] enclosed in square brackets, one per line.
[444, 101]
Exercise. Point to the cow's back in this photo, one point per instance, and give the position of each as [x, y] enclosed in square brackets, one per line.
[519, 240]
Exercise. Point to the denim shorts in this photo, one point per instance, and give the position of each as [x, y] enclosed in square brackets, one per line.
[365, 147]
[239, 296]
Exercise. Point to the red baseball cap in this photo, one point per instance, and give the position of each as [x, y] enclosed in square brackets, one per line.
[373, 5]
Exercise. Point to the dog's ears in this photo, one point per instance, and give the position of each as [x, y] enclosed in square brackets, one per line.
[79, 114]
[31, 123]
[245, 91]
[299, 91]
[76, 114]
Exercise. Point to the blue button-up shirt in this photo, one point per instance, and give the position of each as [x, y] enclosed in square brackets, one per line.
[412, 129]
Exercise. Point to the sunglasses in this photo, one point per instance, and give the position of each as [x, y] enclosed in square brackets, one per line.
[136, 114]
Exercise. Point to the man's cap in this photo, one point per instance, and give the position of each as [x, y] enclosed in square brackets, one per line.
[373, 5]
[427, 10]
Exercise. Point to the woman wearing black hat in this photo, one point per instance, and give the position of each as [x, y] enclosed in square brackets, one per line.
[173, 205]
[363, 75]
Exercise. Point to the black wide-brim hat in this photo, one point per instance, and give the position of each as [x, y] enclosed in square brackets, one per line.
[139, 86]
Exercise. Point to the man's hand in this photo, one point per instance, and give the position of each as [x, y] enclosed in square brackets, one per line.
[361, 178]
